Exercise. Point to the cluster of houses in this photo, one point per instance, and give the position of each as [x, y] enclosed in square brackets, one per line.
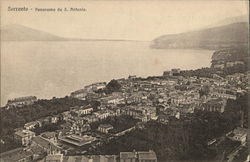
[174, 95]
[145, 99]
[82, 94]
[21, 155]
[18, 102]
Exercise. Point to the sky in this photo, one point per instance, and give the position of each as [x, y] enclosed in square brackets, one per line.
[133, 20]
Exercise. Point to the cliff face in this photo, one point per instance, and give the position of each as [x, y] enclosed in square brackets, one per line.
[230, 57]
[231, 35]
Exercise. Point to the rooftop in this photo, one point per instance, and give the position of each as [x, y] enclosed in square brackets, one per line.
[78, 140]
[106, 126]
[149, 155]
[126, 155]
[44, 143]
[24, 133]
[55, 157]
[14, 155]
[20, 99]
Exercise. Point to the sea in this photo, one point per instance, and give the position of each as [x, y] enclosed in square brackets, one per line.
[49, 69]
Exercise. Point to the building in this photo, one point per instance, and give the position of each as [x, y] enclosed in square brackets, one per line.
[103, 114]
[54, 119]
[24, 136]
[214, 105]
[163, 119]
[166, 73]
[80, 128]
[98, 86]
[80, 158]
[141, 156]
[128, 157]
[219, 66]
[31, 125]
[54, 158]
[49, 135]
[224, 93]
[16, 155]
[112, 100]
[79, 94]
[147, 156]
[45, 144]
[21, 101]
[175, 72]
[77, 140]
[132, 77]
[104, 128]
[233, 63]
[91, 118]
[85, 110]
[238, 134]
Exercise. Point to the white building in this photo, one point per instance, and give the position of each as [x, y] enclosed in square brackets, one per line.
[24, 136]
[85, 110]
[104, 128]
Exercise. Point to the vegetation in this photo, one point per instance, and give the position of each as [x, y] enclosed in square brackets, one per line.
[236, 54]
[242, 156]
[173, 142]
[50, 127]
[184, 139]
[203, 72]
[120, 123]
[204, 90]
[112, 86]
[209, 72]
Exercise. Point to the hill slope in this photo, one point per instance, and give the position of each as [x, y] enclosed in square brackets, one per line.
[22, 33]
[212, 38]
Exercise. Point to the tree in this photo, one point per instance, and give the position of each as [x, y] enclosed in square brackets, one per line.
[204, 90]
[113, 86]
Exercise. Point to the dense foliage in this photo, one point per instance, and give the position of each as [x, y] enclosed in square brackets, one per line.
[50, 127]
[119, 123]
[208, 72]
[112, 86]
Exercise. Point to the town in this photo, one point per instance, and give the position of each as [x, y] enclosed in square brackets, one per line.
[132, 119]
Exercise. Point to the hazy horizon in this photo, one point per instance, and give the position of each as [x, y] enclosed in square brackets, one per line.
[122, 20]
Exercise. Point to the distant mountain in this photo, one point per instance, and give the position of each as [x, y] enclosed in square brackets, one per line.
[230, 20]
[22, 33]
[211, 38]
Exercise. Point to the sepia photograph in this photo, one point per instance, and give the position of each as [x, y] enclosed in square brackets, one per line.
[124, 81]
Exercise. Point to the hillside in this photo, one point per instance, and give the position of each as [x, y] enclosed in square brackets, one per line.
[230, 20]
[17, 32]
[212, 38]
[230, 58]
[21, 33]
